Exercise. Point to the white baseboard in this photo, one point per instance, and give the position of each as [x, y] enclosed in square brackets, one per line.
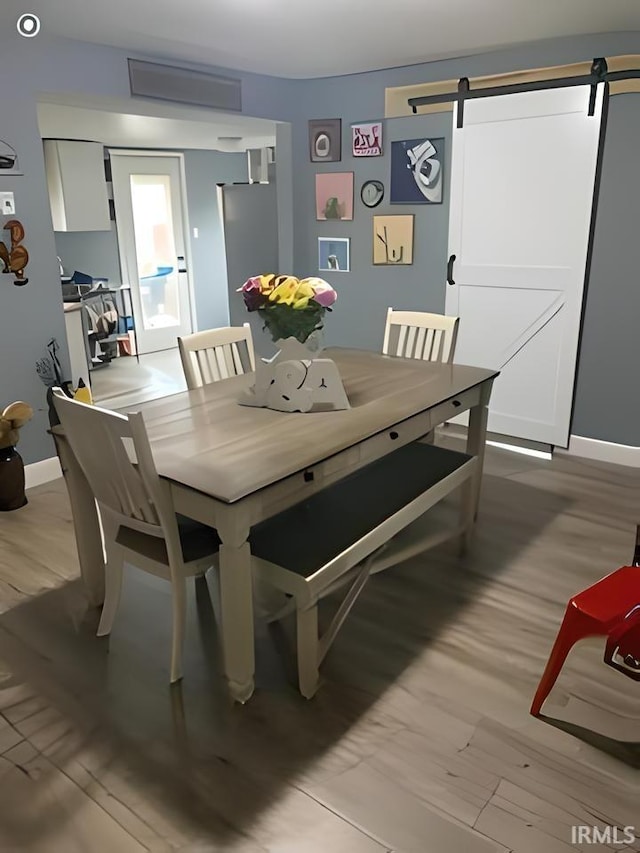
[42, 472]
[602, 451]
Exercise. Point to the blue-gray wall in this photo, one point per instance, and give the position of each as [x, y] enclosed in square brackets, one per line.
[204, 169]
[603, 409]
[607, 400]
[91, 252]
[29, 316]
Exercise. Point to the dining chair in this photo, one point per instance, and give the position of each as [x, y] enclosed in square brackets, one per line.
[216, 354]
[609, 608]
[139, 524]
[429, 337]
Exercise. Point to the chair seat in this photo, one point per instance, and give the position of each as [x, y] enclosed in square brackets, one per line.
[612, 597]
[309, 535]
[197, 541]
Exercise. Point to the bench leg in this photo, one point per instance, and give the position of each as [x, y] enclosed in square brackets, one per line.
[308, 656]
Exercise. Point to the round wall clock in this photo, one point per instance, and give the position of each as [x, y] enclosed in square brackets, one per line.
[372, 193]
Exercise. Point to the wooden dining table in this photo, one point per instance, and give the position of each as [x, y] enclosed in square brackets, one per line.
[232, 466]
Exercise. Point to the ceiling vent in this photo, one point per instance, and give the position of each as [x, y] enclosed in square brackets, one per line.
[181, 85]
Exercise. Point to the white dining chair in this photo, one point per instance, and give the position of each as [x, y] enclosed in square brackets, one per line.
[429, 337]
[216, 354]
[139, 524]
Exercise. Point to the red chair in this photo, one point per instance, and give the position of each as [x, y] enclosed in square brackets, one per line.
[610, 608]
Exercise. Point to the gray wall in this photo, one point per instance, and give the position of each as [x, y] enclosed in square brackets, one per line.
[31, 315]
[204, 169]
[613, 293]
[607, 402]
[91, 252]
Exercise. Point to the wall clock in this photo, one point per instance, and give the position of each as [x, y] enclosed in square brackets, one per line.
[372, 193]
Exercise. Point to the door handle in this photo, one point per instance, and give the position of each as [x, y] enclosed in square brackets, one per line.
[450, 264]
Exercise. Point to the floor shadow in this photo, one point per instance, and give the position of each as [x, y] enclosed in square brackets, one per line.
[628, 753]
[188, 748]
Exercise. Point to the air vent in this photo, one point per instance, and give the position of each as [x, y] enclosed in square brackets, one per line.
[181, 85]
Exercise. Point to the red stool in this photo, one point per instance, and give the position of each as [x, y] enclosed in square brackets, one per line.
[610, 608]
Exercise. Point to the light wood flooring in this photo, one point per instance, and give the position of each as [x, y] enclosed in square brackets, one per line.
[419, 740]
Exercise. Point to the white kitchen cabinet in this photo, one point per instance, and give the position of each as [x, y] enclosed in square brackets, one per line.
[77, 185]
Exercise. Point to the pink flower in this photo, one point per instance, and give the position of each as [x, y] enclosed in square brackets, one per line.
[324, 294]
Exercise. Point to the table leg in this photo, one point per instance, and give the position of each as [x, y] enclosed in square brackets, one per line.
[86, 523]
[476, 439]
[236, 604]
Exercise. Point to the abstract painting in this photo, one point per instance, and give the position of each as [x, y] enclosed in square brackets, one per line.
[333, 254]
[325, 140]
[334, 195]
[393, 239]
[417, 167]
[367, 139]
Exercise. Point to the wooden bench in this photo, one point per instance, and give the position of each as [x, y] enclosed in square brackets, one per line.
[334, 537]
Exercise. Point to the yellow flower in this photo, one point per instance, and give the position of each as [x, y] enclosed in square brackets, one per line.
[284, 292]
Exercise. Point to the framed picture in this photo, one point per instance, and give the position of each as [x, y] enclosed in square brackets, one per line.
[334, 195]
[366, 139]
[393, 239]
[417, 167]
[372, 193]
[333, 254]
[325, 140]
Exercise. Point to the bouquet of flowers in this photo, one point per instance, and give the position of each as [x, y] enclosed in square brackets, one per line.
[290, 307]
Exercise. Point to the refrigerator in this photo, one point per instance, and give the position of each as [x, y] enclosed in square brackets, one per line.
[250, 226]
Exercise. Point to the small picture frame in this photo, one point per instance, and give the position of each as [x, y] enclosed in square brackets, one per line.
[366, 139]
[334, 254]
[393, 239]
[334, 196]
[325, 140]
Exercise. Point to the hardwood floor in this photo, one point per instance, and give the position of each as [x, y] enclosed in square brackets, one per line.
[419, 740]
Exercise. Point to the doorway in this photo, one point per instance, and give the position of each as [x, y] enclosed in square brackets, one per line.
[522, 186]
[150, 201]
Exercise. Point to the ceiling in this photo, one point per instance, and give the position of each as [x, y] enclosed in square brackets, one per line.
[315, 38]
[130, 123]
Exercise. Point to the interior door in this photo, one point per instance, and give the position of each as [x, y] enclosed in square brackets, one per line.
[523, 171]
[149, 202]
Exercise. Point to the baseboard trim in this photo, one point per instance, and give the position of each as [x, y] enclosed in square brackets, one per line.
[38, 473]
[602, 451]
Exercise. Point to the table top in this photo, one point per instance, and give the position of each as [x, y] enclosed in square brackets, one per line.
[205, 440]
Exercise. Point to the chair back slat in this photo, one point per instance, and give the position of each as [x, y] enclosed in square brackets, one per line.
[430, 337]
[114, 454]
[216, 354]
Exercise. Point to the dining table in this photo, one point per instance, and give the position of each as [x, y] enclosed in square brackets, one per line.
[232, 466]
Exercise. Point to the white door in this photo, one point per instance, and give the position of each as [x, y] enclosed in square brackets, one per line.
[150, 217]
[523, 171]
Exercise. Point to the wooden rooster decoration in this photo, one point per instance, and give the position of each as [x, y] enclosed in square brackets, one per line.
[16, 258]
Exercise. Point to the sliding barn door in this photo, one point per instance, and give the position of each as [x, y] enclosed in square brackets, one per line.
[523, 171]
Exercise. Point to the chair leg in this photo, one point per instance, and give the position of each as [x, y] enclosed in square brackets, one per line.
[575, 627]
[307, 641]
[112, 589]
[179, 607]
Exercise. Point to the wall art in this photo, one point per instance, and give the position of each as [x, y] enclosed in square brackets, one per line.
[325, 140]
[334, 195]
[333, 254]
[417, 167]
[393, 239]
[366, 139]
